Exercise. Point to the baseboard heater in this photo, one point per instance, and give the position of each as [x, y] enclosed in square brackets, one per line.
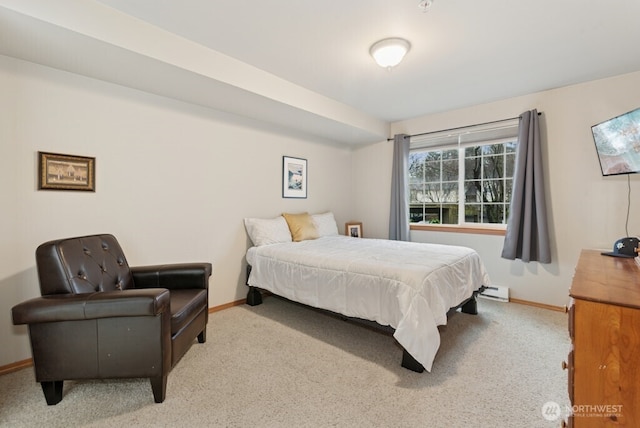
[495, 292]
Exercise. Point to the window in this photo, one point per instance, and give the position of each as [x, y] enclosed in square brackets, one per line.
[462, 183]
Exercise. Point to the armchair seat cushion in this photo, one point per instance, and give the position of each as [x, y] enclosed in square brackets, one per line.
[186, 305]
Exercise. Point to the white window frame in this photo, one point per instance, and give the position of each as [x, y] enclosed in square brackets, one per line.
[464, 137]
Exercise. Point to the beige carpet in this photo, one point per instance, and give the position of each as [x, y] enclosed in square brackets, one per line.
[284, 365]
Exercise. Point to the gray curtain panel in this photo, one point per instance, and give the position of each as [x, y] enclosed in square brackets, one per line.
[527, 236]
[399, 215]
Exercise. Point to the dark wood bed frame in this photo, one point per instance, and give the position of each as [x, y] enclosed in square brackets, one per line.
[469, 306]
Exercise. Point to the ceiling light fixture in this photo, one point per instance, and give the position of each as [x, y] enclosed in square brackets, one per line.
[425, 4]
[389, 52]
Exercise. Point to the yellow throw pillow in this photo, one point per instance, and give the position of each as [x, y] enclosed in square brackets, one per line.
[301, 226]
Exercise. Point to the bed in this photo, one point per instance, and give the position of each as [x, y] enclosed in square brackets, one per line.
[405, 285]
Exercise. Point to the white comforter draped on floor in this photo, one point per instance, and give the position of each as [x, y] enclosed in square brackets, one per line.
[408, 286]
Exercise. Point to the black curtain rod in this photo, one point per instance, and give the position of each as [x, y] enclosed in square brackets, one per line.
[462, 127]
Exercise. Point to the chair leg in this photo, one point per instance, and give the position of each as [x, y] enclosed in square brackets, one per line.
[52, 391]
[159, 388]
[202, 337]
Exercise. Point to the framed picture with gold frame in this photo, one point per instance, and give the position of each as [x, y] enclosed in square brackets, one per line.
[353, 229]
[66, 172]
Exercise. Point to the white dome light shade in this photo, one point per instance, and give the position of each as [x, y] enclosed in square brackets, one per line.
[389, 52]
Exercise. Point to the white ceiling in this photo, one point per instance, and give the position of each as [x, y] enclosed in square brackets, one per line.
[463, 52]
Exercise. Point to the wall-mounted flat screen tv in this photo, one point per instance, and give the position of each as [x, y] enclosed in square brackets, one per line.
[618, 143]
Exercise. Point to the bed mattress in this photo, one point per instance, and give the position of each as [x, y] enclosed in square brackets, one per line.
[408, 286]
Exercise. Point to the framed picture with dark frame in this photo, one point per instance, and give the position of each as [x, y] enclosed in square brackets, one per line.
[66, 172]
[353, 229]
[294, 177]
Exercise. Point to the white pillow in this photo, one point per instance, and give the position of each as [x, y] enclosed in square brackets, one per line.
[267, 231]
[325, 224]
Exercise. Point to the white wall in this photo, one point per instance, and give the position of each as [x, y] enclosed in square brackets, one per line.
[586, 210]
[173, 181]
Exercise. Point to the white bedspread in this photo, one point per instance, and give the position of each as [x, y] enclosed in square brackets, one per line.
[408, 286]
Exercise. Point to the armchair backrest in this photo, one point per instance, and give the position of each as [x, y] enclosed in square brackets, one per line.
[84, 264]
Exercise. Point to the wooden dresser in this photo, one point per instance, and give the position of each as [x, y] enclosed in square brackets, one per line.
[604, 325]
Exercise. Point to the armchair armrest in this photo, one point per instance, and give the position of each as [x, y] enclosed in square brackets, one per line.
[172, 276]
[106, 304]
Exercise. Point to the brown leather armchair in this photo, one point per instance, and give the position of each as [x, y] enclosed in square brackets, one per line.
[98, 318]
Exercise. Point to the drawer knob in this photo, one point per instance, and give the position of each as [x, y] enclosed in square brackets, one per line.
[565, 365]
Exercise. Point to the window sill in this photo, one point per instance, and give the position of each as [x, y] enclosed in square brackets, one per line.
[458, 229]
